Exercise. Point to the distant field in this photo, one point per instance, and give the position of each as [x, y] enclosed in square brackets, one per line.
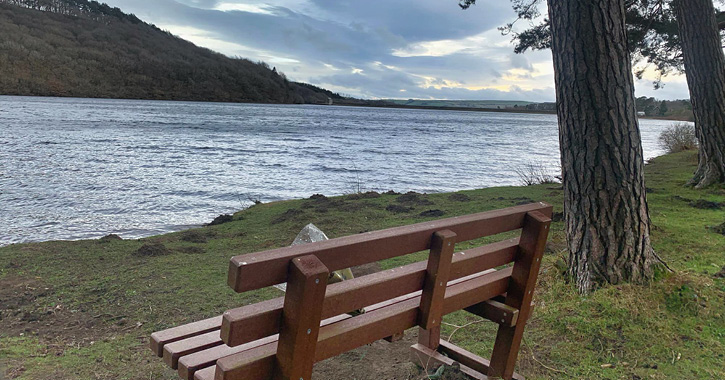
[460, 103]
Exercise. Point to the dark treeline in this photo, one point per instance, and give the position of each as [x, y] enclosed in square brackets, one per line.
[86, 49]
[671, 109]
[665, 109]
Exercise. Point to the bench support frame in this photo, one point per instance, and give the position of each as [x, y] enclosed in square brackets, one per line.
[282, 338]
[511, 315]
[301, 316]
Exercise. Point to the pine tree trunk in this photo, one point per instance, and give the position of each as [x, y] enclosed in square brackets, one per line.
[705, 70]
[605, 207]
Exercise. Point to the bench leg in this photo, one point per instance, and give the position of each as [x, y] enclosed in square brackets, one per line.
[520, 293]
[434, 289]
[301, 315]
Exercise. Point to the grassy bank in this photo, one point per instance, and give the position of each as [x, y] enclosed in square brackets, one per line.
[84, 309]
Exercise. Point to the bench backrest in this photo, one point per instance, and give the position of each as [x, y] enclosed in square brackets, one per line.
[416, 294]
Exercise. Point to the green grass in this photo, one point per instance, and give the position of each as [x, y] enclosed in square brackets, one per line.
[86, 308]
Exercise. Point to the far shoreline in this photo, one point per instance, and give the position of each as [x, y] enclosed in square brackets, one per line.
[342, 104]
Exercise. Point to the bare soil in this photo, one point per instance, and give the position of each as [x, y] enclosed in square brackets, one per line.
[25, 312]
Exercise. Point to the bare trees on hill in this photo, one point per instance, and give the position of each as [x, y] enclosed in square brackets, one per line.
[82, 8]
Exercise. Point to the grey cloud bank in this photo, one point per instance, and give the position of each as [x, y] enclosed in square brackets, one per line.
[374, 48]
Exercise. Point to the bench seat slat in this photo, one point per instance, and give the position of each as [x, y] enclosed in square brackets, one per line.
[205, 374]
[173, 351]
[189, 364]
[257, 270]
[161, 338]
[249, 323]
[336, 338]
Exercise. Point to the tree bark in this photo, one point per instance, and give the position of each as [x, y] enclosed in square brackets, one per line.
[705, 71]
[605, 206]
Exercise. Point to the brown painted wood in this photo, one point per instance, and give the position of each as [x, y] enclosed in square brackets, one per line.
[520, 293]
[350, 333]
[436, 278]
[495, 311]
[250, 365]
[467, 358]
[161, 338]
[189, 364]
[173, 351]
[464, 357]
[261, 269]
[476, 289]
[235, 366]
[301, 316]
[434, 288]
[431, 359]
[460, 291]
[430, 337]
[252, 322]
[205, 374]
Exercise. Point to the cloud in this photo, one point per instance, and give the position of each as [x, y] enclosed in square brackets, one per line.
[372, 48]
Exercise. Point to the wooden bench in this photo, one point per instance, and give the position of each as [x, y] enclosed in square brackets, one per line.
[282, 338]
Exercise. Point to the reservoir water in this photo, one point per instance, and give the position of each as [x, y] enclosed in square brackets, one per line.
[83, 168]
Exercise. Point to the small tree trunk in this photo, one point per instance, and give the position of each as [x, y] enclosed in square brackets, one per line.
[705, 70]
[607, 221]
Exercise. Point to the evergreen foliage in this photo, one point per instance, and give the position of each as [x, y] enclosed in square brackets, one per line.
[84, 48]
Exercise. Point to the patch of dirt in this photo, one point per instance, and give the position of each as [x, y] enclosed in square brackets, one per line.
[152, 249]
[196, 236]
[221, 219]
[557, 217]
[290, 214]
[24, 311]
[522, 200]
[432, 213]
[110, 237]
[719, 229]
[381, 360]
[366, 195]
[720, 274]
[679, 198]
[459, 197]
[445, 372]
[413, 198]
[706, 205]
[322, 204]
[398, 209]
[375, 361]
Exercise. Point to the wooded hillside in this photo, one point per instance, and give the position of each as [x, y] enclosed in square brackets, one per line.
[83, 48]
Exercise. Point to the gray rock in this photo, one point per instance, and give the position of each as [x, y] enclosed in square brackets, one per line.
[309, 234]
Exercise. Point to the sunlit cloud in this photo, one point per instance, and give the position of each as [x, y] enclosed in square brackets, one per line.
[242, 7]
[375, 48]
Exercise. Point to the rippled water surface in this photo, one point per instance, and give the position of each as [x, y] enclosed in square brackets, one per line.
[83, 168]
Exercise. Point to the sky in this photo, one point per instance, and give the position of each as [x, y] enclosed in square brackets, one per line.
[420, 49]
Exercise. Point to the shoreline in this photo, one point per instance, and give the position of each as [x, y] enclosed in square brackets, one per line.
[342, 104]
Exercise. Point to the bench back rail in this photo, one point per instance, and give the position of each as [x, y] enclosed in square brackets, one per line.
[282, 338]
